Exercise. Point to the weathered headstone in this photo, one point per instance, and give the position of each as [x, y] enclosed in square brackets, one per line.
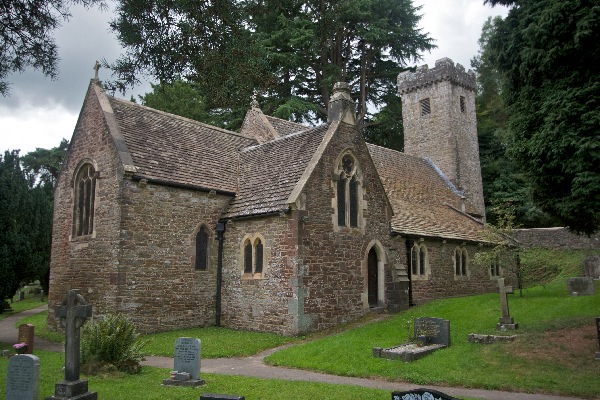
[72, 314]
[591, 267]
[26, 335]
[186, 363]
[433, 330]
[597, 356]
[505, 321]
[421, 394]
[23, 377]
[21, 295]
[580, 286]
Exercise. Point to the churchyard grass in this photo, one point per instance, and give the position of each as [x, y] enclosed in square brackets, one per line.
[534, 363]
[39, 321]
[23, 305]
[146, 385]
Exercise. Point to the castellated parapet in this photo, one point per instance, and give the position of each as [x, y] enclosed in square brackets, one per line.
[440, 124]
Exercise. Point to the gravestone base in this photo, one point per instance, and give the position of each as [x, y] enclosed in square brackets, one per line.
[189, 382]
[506, 323]
[72, 390]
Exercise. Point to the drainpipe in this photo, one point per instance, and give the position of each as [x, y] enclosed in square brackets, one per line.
[220, 231]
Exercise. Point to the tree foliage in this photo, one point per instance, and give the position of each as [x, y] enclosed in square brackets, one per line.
[547, 52]
[45, 164]
[25, 226]
[291, 51]
[26, 35]
[504, 183]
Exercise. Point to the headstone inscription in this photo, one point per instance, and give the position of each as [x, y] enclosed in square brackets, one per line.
[505, 321]
[186, 363]
[26, 335]
[597, 356]
[591, 267]
[432, 330]
[73, 312]
[23, 377]
[421, 394]
[580, 286]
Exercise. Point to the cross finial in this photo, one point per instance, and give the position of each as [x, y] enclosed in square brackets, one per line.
[254, 102]
[96, 68]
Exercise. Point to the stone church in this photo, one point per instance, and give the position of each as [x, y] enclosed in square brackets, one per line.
[281, 227]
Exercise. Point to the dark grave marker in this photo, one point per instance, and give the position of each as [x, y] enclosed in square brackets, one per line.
[597, 357]
[23, 377]
[26, 335]
[591, 267]
[432, 330]
[505, 321]
[421, 394]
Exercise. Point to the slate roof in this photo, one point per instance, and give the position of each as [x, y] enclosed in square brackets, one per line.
[423, 203]
[285, 127]
[177, 150]
[270, 171]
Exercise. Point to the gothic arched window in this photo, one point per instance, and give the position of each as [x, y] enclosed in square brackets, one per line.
[461, 262]
[347, 193]
[418, 259]
[247, 257]
[85, 193]
[202, 249]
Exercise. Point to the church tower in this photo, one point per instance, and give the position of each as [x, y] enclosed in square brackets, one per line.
[440, 124]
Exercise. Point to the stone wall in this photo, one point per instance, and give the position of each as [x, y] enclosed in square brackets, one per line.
[442, 282]
[556, 238]
[86, 262]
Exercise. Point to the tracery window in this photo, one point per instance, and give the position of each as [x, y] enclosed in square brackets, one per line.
[461, 261]
[418, 259]
[348, 193]
[85, 193]
[202, 249]
[254, 259]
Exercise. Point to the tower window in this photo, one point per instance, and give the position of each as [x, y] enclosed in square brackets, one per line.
[425, 107]
[462, 104]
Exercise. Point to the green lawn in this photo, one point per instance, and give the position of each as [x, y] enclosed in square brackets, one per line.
[19, 306]
[515, 367]
[147, 385]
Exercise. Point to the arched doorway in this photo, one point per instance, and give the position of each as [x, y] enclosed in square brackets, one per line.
[372, 278]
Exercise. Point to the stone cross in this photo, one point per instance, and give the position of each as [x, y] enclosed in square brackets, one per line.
[72, 313]
[96, 68]
[506, 321]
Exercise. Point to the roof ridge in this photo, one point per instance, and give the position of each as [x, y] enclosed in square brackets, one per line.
[193, 121]
[282, 138]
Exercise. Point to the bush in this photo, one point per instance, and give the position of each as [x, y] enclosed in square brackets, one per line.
[111, 341]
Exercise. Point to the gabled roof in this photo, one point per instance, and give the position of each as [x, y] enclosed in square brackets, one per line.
[269, 172]
[176, 150]
[424, 204]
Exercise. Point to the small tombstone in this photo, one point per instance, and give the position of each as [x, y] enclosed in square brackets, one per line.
[23, 377]
[186, 363]
[26, 335]
[214, 396]
[421, 394]
[430, 330]
[21, 295]
[591, 267]
[73, 313]
[42, 295]
[597, 357]
[580, 286]
[505, 321]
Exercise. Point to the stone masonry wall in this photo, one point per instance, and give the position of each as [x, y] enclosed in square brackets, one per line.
[157, 284]
[556, 238]
[334, 261]
[86, 262]
[443, 283]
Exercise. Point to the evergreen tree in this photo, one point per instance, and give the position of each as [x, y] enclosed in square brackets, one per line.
[547, 52]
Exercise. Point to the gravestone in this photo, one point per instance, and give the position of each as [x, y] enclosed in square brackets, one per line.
[580, 286]
[21, 295]
[597, 356]
[591, 267]
[505, 321]
[72, 313]
[421, 394]
[26, 336]
[434, 330]
[214, 396]
[186, 363]
[23, 377]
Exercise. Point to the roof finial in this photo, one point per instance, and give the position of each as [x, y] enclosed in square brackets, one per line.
[254, 102]
[96, 68]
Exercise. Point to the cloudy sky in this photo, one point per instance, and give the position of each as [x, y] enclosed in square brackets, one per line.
[40, 112]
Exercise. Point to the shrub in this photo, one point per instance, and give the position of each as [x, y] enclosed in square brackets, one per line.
[111, 341]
